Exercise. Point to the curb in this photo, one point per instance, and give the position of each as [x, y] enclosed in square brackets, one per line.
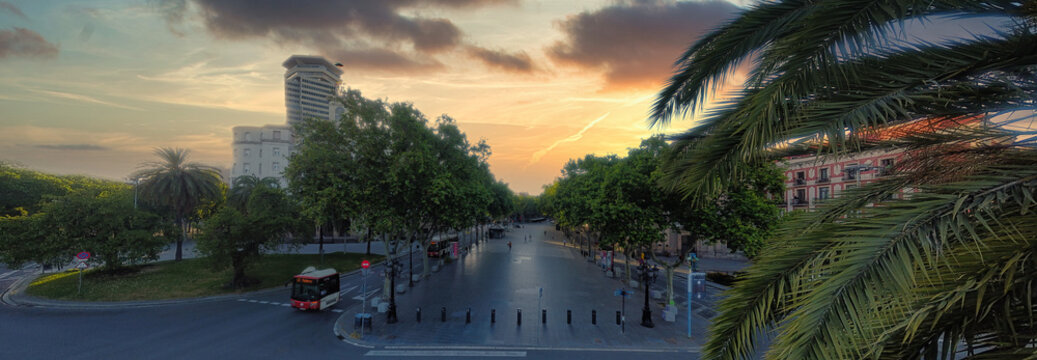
[15, 296]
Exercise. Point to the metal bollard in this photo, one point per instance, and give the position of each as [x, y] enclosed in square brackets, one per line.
[419, 314]
[594, 317]
[519, 317]
[468, 316]
[442, 314]
[569, 317]
[493, 316]
[543, 316]
[618, 317]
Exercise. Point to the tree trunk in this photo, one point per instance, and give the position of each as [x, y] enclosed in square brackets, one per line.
[183, 237]
[669, 285]
[320, 246]
[239, 272]
[369, 242]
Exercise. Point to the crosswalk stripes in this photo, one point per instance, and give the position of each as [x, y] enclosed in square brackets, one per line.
[6, 274]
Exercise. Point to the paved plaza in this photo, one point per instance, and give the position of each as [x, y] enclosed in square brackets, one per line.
[494, 277]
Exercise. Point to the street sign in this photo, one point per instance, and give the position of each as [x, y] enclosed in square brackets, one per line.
[622, 293]
[83, 255]
[82, 266]
[364, 264]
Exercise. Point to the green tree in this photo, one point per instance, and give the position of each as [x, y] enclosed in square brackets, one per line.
[180, 185]
[953, 263]
[243, 186]
[103, 223]
[238, 237]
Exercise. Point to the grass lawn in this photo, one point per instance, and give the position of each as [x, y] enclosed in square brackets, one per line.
[184, 279]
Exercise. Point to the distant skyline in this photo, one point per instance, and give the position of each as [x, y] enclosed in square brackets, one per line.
[92, 87]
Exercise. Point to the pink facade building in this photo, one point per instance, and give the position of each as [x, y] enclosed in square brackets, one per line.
[810, 180]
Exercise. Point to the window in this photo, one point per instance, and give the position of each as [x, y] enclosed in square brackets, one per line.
[800, 178]
[277, 166]
[887, 166]
[248, 152]
[246, 168]
[260, 169]
[801, 197]
[260, 152]
[822, 193]
[851, 171]
[248, 136]
[823, 176]
[277, 151]
[277, 136]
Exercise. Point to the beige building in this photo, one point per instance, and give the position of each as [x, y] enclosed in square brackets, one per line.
[261, 151]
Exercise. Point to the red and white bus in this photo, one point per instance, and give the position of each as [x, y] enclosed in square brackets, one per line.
[315, 289]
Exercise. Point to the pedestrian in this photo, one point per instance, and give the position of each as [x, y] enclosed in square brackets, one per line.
[509, 245]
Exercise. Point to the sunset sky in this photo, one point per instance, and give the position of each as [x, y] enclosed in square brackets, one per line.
[92, 87]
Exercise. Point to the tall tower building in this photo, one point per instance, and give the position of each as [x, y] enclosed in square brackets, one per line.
[309, 81]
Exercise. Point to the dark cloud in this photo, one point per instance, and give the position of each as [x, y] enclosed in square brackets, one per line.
[25, 43]
[336, 27]
[83, 147]
[382, 59]
[516, 62]
[9, 7]
[635, 43]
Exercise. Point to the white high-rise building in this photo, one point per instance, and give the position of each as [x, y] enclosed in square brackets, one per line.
[310, 82]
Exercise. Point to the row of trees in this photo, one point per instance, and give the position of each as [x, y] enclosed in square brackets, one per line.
[384, 170]
[952, 265]
[618, 203]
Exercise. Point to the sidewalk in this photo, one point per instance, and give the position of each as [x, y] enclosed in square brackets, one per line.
[492, 277]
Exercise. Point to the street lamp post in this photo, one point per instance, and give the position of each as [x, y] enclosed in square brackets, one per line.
[648, 275]
[410, 271]
[136, 183]
[391, 313]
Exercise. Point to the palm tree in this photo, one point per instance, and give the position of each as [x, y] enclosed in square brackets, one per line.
[179, 185]
[243, 187]
[954, 264]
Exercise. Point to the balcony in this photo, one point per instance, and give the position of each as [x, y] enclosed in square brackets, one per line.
[797, 202]
[824, 180]
[800, 182]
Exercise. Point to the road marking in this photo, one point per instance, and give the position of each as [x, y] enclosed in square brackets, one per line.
[286, 304]
[242, 299]
[264, 302]
[337, 310]
[693, 349]
[253, 301]
[361, 297]
[446, 353]
[349, 289]
[8, 274]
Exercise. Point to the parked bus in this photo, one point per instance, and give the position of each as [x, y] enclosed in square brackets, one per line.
[315, 289]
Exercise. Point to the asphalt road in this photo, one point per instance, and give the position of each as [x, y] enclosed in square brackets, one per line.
[256, 326]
